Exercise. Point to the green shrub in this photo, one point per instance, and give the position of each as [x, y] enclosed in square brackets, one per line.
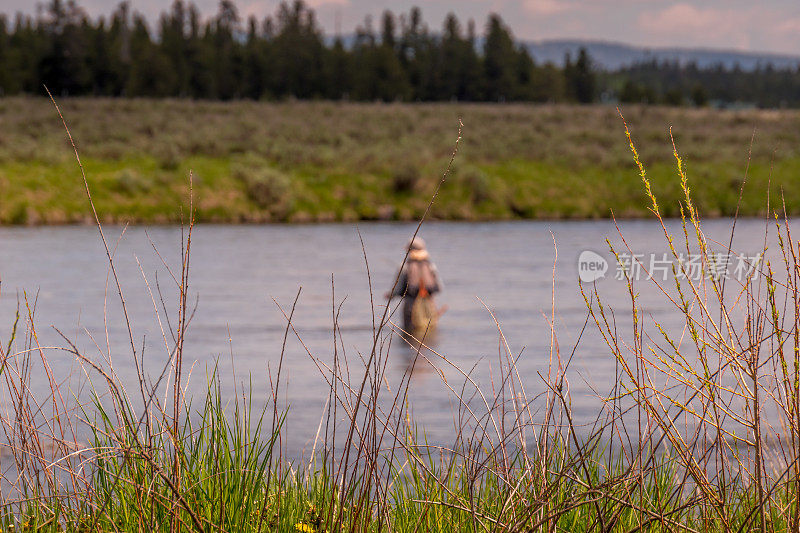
[129, 182]
[477, 183]
[406, 178]
[168, 156]
[19, 214]
[268, 188]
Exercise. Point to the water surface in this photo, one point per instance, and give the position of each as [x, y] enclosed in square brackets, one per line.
[240, 275]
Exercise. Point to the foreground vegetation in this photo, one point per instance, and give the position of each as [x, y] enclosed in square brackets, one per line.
[303, 162]
[699, 432]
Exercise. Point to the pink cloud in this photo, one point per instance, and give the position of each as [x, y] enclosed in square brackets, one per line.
[580, 9]
[261, 8]
[320, 3]
[789, 26]
[749, 28]
[704, 26]
[547, 7]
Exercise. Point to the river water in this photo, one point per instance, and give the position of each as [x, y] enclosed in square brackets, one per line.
[240, 275]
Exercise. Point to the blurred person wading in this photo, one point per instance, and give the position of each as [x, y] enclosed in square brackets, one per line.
[417, 284]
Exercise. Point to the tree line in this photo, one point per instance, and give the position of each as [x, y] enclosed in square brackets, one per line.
[286, 55]
[672, 83]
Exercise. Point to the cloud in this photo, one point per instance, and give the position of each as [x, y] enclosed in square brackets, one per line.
[706, 26]
[789, 27]
[547, 7]
[783, 35]
[746, 28]
[261, 8]
[319, 3]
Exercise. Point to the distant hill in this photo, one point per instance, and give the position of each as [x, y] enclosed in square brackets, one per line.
[611, 56]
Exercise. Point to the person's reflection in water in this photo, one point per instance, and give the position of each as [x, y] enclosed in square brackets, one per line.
[415, 361]
[417, 284]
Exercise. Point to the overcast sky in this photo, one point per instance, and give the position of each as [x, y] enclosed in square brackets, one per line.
[761, 25]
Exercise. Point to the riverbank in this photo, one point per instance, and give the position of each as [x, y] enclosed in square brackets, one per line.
[318, 161]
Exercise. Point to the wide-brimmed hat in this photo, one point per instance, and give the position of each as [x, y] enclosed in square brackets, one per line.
[417, 243]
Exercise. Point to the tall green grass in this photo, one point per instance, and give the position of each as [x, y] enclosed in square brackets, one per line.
[680, 444]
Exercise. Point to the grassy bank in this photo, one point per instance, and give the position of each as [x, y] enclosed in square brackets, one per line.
[307, 162]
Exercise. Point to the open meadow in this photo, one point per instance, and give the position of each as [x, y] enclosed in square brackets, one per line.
[319, 161]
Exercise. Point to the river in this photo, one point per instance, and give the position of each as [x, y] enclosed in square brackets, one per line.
[240, 275]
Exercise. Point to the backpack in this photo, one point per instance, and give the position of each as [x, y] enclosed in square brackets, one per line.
[420, 279]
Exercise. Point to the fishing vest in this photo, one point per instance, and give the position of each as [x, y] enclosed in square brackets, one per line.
[420, 278]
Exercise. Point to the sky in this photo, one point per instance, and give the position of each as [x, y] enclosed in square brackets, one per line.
[756, 26]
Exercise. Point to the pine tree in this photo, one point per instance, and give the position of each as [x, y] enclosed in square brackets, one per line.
[472, 80]
[499, 61]
[63, 66]
[298, 52]
[337, 72]
[227, 57]
[100, 61]
[254, 62]
[364, 77]
[524, 70]
[151, 73]
[452, 49]
[199, 57]
[5, 57]
[583, 78]
[172, 37]
[389, 77]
